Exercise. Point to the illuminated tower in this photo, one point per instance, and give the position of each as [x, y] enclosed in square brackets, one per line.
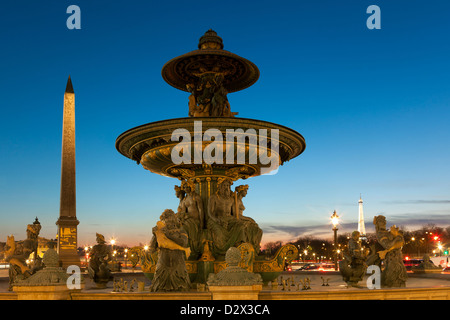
[361, 226]
[67, 222]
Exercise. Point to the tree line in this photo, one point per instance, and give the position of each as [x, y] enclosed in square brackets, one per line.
[430, 239]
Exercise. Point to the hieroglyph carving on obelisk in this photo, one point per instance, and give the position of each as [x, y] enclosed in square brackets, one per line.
[67, 222]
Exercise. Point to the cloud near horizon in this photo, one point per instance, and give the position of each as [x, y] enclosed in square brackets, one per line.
[286, 233]
[417, 202]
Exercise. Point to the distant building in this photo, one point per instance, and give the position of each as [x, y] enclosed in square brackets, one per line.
[42, 246]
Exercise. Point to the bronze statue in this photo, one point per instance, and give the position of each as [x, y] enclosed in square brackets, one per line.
[191, 216]
[50, 275]
[219, 102]
[191, 204]
[172, 242]
[98, 267]
[209, 96]
[394, 273]
[163, 242]
[225, 229]
[18, 253]
[192, 100]
[180, 194]
[252, 232]
[353, 267]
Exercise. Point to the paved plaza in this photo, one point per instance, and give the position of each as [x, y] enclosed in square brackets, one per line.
[317, 279]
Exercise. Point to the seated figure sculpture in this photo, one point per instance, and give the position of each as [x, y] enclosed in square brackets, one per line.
[98, 268]
[225, 229]
[353, 267]
[394, 273]
[222, 226]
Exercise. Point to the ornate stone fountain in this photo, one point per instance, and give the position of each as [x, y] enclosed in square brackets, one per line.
[208, 152]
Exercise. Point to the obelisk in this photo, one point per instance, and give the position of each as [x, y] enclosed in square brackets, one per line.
[67, 222]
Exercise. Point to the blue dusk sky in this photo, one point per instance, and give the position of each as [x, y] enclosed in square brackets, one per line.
[373, 106]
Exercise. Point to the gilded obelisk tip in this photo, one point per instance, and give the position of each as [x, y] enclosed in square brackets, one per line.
[69, 87]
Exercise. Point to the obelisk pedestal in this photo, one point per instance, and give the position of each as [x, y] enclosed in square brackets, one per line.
[67, 222]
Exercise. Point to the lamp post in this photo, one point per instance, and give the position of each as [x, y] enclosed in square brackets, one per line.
[440, 249]
[86, 255]
[113, 242]
[335, 222]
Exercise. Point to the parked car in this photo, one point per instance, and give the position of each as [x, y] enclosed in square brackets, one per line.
[310, 266]
[327, 267]
[411, 263]
[318, 267]
[295, 266]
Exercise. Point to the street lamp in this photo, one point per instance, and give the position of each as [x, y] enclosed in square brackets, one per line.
[335, 222]
[440, 247]
[113, 242]
[86, 254]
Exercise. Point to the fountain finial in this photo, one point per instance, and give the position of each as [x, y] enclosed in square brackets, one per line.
[210, 40]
